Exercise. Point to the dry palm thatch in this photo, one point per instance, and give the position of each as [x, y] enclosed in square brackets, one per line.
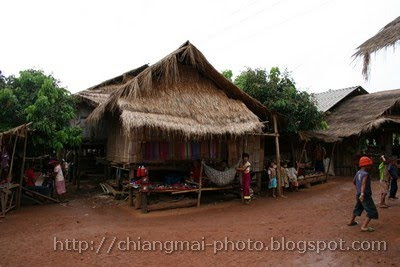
[98, 94]
[19, 130]
[360, 114]
[183, 93]
[388, 36]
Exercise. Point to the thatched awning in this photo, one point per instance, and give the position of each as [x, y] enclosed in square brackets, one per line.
[17, 131]
[388, 36]
[99, 93]
[184, 93]
[360, 114]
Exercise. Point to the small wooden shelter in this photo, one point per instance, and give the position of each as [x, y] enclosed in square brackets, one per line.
[11, 191]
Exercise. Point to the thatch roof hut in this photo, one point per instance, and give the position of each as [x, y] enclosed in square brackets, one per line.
[98, 94]
[388, 36]
[360, 114]
[180, 108]
[184, 94]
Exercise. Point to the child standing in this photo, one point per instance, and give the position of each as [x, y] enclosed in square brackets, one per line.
[244, 168]
[292, 174]
[272, 178]
[383, 181]
[284, 178]
[364, 200]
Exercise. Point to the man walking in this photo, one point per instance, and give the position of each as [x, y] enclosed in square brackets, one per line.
[364, 200]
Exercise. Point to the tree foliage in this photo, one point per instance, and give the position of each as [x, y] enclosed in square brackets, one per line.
[277, 91]
[36, 97]
[228, 74]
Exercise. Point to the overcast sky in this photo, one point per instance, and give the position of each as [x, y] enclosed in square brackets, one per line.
[83, 43]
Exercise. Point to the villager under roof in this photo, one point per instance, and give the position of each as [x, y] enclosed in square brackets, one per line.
[388, 36]
[183, 93]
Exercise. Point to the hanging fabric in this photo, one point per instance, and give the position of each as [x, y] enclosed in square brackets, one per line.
[220, 178]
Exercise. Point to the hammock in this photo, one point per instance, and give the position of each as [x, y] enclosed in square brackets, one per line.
[220, 178]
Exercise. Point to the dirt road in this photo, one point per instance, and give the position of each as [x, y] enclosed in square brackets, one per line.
[317, 214]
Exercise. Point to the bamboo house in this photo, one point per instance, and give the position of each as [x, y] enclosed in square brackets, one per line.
[179, 110]
[366, 124]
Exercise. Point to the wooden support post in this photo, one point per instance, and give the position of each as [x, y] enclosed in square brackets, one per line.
[130, 196]
[301, 156]
[278, 155]
[144, 202]
[329, 164]
[138, 200]
[12, 158]
[22, 172]
[200, 184]
[74, 169]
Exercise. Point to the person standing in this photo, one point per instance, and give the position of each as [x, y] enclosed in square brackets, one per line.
[59, 179]
[319, 154]
[244, 168]
[394, 175]
[364, 201]
[273, 184]
[383, 181]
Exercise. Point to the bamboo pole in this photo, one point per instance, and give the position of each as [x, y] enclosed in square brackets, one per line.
[22, 171]
[12, 157]
[301, 156]
[200, 185]
[329, 164]
[278, 155]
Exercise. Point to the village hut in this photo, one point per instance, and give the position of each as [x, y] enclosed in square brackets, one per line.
[366, 124]
[387, 37]
[89, 99]
[181, 109]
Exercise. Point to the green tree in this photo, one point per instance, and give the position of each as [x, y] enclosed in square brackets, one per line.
[228, 74]
[278, 91]
[36, 97]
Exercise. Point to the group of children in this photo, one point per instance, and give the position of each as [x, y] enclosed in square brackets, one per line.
[288, 177]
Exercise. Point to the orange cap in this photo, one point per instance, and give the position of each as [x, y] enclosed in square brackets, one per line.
[365, 161]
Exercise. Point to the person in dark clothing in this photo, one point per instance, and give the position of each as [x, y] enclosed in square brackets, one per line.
[364, 200]
[394, 175]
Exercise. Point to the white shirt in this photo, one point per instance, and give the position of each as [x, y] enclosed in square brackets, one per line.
[59, 174]
[246, 167]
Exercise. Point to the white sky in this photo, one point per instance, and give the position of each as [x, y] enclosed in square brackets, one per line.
[83, 43]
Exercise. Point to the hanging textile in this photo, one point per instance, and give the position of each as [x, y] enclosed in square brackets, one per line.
[220, 178]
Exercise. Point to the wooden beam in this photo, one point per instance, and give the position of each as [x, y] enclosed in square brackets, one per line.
[278, 154]
[330, 160]
[22, 172]
[301, 156]
[12, 158]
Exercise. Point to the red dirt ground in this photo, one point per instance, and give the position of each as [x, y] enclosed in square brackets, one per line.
[319, 213]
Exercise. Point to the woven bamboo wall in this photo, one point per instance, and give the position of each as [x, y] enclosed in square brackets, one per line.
[122, 149]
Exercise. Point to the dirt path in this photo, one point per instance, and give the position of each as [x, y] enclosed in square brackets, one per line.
[319, 213]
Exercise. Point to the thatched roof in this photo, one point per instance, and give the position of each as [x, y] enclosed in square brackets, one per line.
[360, 114]
[99, 93]
[388, 36]
[17, 131]
[183, 93]
[329, 99]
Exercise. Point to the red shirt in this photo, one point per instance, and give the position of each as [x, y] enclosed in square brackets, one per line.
[30, 177]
